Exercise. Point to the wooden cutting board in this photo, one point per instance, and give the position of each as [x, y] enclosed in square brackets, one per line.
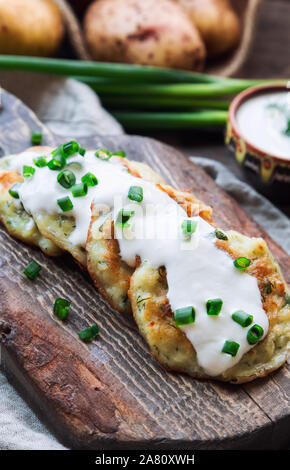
[112, 394]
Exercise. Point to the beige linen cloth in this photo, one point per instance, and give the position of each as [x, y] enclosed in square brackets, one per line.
[68, 107]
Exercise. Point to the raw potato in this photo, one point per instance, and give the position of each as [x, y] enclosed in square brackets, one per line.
[217, 23]
[150, 32]
[31, 27]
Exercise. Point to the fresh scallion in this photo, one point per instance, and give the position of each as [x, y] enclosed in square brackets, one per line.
[32, 270]
[184, 316]
[40, 162]
[28, 171]
[135, 193]
[103, 154]
[57, 163]
[13, 191]
[36, 137]
[120, 153]
[67, 150]
[123, 217]
[61, 308]
[79, 190]
[230, 347]
[65, 204]
[82, 151]
[214, 306]
[242, 318]
[90, 179]
[220, 234]
[242, 263]
[255, 333]
[188, 227]
[66, 178]
[88, 334]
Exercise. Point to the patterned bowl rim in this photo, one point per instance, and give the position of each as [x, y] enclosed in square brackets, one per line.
[241, 98]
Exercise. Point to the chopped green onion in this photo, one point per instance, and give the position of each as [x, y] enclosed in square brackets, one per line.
[103, 154]
[242, 263]
[65, 204]
[230, 347]
[79, 190]
[36, 138]
[75, 165]
[88, 334]
[82, 151]
[188, 227]
[255, 333]
[90, 179]
[184, 316]
[28, 171]
[40, 162]
[67, 150]
[13, 191]
[220, 234]
[57, 163]
[214, 306]
[66, 178]
[32, 270]
[123, 217]
[135, 193]
[119, 154]
[61, 308]
[242, 318]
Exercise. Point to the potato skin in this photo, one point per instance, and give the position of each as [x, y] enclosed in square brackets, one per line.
[31, 27]
[217, 23]
[143, 32]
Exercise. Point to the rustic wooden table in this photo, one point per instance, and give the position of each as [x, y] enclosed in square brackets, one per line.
[269, 58]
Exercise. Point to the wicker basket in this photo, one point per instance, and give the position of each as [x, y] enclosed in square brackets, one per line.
[247, 11]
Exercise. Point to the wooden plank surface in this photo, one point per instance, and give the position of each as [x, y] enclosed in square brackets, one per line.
[112, 394]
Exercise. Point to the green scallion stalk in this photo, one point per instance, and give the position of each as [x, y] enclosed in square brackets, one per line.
[79, 190]
[188, 227]
[242, 263]
[61, 308]
[89, 334]
[66, 178]
[230, 347]
[13, 191]
[220, 234]
[120, 153]
[135, 193]
[214, 306]
[184, 316]
[89, 179]
[40, 162]
[255, 333]
[67, 150]
[57, 163]
[32, 270]
[65, 204]
[36, 137]
[123, 217]
[103, 154]
[28, 171]
[242, 318]
[82, 151]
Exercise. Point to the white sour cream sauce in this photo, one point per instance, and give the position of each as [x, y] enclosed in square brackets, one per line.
[262, 123]
[196, 270]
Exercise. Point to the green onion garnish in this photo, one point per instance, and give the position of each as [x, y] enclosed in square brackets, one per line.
[40, 162]
[242, 263]
[36, 138]
[255, 333]
[79, 190]
[75, 165]
[32, 270]
[28, 171]
[214, 306]
[103, 154]
[90, 179]
[242, 318]
[57, 163]
[13, 191]
[188, 227]
[88, 334]
[123, 217]
[67, 150]
[119, 154]
[82, 151]
[65, 204]
[231, 347]
[220, 234]
[66, 178]
[184, 316]
[61, 308]
[135, 193]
